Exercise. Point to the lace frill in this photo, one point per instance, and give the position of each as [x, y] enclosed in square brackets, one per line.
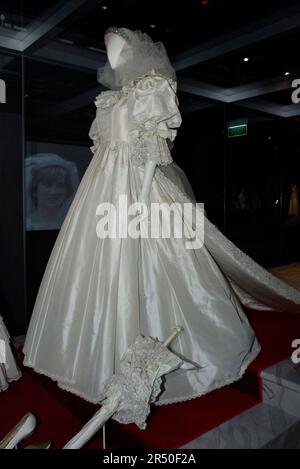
[101, 126]
[139, 382]
[155, 149]
[124, 417]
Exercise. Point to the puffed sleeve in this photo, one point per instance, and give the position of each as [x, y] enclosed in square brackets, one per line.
[153, 116]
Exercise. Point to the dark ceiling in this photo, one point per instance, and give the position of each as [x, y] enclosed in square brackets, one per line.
[179, 24]
[207, 41]
[268, 60]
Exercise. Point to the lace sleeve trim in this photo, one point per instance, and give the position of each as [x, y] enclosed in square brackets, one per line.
[149, 141]
[155, 149]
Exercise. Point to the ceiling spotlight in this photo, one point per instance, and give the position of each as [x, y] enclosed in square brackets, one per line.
[246, 59]
[286, 74]
[104, 7]
[152, 26]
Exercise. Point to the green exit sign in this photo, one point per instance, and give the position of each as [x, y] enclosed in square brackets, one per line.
[237, 130]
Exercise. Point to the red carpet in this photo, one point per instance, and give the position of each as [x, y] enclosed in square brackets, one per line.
[275, 332]
[61, 414]
[55, 421]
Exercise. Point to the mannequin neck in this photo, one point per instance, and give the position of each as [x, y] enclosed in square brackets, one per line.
[114, 46]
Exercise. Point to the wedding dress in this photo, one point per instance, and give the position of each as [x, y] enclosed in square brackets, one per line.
[9, 370]
[98, 295]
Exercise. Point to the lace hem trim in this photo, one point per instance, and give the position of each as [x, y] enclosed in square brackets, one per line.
[222, 383]
[62, 383]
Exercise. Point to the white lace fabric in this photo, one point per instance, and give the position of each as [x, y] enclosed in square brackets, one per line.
[139, 382]
[138, 57]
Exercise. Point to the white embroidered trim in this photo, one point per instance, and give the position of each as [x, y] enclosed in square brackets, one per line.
[139, 382]
[67, 387]
[156, 150]
[218, 385]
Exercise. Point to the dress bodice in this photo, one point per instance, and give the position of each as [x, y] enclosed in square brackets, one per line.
[119, 129]
[144, 114]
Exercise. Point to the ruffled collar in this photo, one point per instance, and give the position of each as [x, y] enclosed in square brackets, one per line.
[107, 98]
[132, 84]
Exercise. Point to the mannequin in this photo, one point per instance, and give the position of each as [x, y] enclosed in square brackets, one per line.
[114, 46]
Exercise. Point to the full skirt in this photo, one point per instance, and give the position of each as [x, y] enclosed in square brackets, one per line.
[97, 295]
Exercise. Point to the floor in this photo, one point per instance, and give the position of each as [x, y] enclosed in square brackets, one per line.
[273, 423]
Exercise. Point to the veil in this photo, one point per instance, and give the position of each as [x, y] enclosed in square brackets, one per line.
[139, 56]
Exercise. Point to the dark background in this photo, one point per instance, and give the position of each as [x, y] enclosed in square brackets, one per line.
[49, 55]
